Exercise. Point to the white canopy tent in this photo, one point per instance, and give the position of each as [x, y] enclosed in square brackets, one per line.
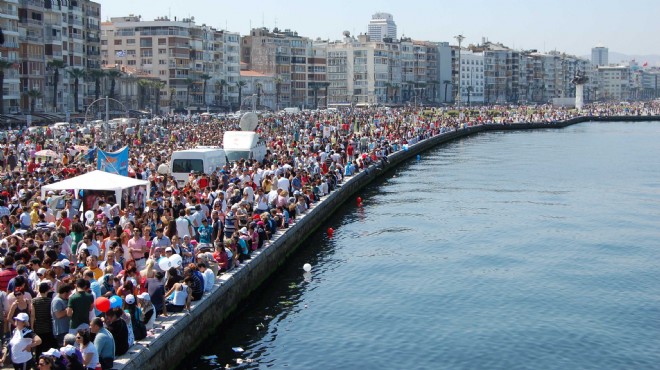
[97, 180]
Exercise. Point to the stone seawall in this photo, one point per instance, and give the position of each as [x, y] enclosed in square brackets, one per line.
[183, 332]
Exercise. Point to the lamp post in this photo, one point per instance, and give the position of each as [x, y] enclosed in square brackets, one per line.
[460, 39]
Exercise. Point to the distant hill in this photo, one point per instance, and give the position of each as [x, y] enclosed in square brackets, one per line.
[614, 57]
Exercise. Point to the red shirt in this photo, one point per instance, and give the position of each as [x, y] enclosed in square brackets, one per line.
[6, 275]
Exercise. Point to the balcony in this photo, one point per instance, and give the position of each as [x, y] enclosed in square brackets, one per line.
[93, 53]
[75, 21]
[31, 38]
[93, 39]
[32, 22]
[32, 3]
[92, 13]
[6, 12]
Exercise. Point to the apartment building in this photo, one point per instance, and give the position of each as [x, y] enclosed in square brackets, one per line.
[9, 53]
[299, 70]
[198, 65]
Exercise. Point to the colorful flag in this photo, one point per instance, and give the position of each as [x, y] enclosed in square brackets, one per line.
[121, 53]
[645, 64]
[113, 162]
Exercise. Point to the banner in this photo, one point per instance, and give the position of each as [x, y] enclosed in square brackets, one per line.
[114, 162]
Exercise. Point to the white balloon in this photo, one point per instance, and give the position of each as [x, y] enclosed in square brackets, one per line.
[89, 215]
[176, 260]
[307, 267]
[164, 263]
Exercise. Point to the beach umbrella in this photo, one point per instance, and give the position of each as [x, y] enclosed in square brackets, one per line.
[47, 153]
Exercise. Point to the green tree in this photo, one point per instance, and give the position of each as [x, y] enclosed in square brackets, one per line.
[55, 66]
[240, 85]
[33, 95]
[278, 86]
[76, 74]
[204, 78]
[113, 74]
[172, 95]
[189, 84]
[4, 65]
[219, 89]
[259, 88]
[144, 86]
[446, 83]
[157, 86]
[96, 75]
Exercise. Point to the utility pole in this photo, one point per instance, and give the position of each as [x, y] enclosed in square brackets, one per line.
[460, 39]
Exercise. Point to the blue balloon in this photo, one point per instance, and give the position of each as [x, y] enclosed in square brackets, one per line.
[419, 157]
[115, 301]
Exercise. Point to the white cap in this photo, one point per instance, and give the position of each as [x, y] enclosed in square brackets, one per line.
[22, 317]
[41, 271]
[244, 230]
[68, 350]
[130, 299]
[58, 264]
[144, 296]
[53, 353]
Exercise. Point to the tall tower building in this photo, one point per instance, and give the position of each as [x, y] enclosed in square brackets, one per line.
[381, 25]
[599, 56]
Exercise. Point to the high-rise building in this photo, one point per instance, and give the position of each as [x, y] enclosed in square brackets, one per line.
[599, 56]
[381, 26]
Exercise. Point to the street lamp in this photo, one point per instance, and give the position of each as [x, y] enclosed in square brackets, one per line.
[460, 39]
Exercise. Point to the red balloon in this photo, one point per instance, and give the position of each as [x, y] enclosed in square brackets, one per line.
[359, 201]
[102, 304]
[330, 231]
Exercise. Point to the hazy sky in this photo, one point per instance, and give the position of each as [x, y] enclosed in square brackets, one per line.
[572, 26]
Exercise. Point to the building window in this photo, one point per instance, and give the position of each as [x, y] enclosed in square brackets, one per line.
[162, 41]
[130, 41]
[118, 42]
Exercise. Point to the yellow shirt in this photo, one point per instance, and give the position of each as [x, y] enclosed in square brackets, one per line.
[34, 216]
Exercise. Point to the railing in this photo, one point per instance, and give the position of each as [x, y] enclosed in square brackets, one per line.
[35, 3]
[179, 55]
[76, 22]
[92, 13]
[93, 39]
[8, 11]
[164, 33]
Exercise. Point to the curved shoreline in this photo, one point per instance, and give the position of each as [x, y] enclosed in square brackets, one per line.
[185, 331]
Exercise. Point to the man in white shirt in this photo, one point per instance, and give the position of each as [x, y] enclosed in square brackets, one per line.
[183, 226]
[282, 182]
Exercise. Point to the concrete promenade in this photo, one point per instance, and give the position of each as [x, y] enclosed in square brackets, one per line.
[183, 332]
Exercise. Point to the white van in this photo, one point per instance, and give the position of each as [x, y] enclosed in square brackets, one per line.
[200, 160]
[243, 145]
[291, 110]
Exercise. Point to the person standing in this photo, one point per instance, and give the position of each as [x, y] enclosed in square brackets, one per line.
[104, 343]
[23, 341]
[137, 247]
[43, 320]
[58, 313]
[79, 305]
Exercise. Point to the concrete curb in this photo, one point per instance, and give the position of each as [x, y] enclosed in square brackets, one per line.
[183, 332]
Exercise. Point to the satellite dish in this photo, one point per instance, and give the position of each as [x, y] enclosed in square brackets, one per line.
[249, 122]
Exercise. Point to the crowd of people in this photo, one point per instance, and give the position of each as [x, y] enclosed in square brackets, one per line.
[57, 262]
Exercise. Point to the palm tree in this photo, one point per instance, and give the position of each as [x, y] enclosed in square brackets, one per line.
[259, 86]
[172, 94]
[4, 64]
[219, 89]
[113, 74]
[395, 92]
[278, 84]
[240, 85]
[55, 66]
[189, 84]
[434, 86]
[469, 91]
[205, 78]
[157, 86]
[96, 75]
[76, 74]
[446, 83]
[33, 95]
[144, 85]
